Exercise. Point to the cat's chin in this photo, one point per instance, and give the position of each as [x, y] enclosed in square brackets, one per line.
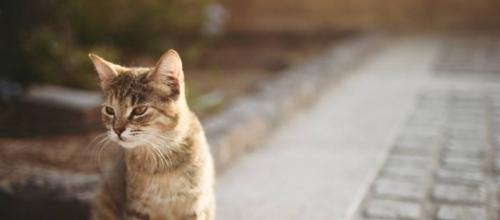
[128, 145]
[127, 142]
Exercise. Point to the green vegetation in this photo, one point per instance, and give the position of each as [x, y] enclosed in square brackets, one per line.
[47, 41]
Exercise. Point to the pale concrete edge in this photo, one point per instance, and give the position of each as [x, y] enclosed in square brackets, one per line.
[354, 211]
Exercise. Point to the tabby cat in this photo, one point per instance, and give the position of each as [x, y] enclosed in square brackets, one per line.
[164, 168]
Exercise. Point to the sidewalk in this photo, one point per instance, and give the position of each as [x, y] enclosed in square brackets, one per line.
[393, 111]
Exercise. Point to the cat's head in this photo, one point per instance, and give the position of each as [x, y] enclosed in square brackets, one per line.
[143, 106]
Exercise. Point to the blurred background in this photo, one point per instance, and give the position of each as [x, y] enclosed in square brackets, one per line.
[49, 94]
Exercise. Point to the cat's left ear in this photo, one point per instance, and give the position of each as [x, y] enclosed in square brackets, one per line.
[107, 71]
[169, 67]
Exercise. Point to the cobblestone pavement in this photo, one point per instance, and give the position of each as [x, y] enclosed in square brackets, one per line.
[443, 164]
[469, 55]
[396, 141]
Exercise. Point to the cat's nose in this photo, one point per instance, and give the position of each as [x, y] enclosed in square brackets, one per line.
[119, 131]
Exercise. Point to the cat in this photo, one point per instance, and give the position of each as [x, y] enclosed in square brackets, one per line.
[164, 168]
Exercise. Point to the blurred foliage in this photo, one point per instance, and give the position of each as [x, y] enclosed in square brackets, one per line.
[47, 41]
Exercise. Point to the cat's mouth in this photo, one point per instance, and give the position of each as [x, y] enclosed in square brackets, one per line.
[126, 141]
[128, 144]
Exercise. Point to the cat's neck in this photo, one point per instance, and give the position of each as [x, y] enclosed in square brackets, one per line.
[151, 160]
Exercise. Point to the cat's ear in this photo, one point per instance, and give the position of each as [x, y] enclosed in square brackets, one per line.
[107, 71]
[169, 67]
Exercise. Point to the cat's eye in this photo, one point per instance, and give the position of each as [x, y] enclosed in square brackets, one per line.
[139, 110]
[109, 110]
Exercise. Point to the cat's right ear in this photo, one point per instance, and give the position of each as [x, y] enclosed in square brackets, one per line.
[107, 71]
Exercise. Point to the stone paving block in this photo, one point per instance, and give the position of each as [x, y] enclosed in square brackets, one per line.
[465, 145]
[471, 141]
[469, 58]
[466, 156]
[469, 126]
[496, 140]
[428, 110]
[415, 141]
[455, 212]
[470, 98]
[429, 113]
[460, 177]
[468, 133]
[430, 127]
[378, 208]
[468, 116]
[409, 162]
[497, 163]
[469, 164]
[400, 189]
[458, 193]
[475, 119]
[495, 126]
[461, 136]
[412, 143]
[498, 182]
[466, 107]
[407, 173]
[460, 124]
[470, 123]
[463, 153]
[433, 103]
[417, 150]
[368, 218]
[433, 115]
[469, 110]
[468, 139]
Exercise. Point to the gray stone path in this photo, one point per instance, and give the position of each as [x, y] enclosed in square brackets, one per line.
[393, 141]
[470, 55]
[442, 165]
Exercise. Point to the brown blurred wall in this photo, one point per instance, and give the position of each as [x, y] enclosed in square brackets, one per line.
[330, 15]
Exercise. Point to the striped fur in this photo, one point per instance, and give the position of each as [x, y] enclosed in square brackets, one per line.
[164, 169]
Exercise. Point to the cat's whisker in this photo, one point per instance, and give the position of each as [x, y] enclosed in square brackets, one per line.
[96, 147]
[166, 154]
[93, 142]
[167, 141]
[105, 144]
[152, 150]
[153, 155]
[160, 154]
[97, 137]
[157, 154]
[160, 147]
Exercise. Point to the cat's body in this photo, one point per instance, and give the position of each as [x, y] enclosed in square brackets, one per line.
[165, 170]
